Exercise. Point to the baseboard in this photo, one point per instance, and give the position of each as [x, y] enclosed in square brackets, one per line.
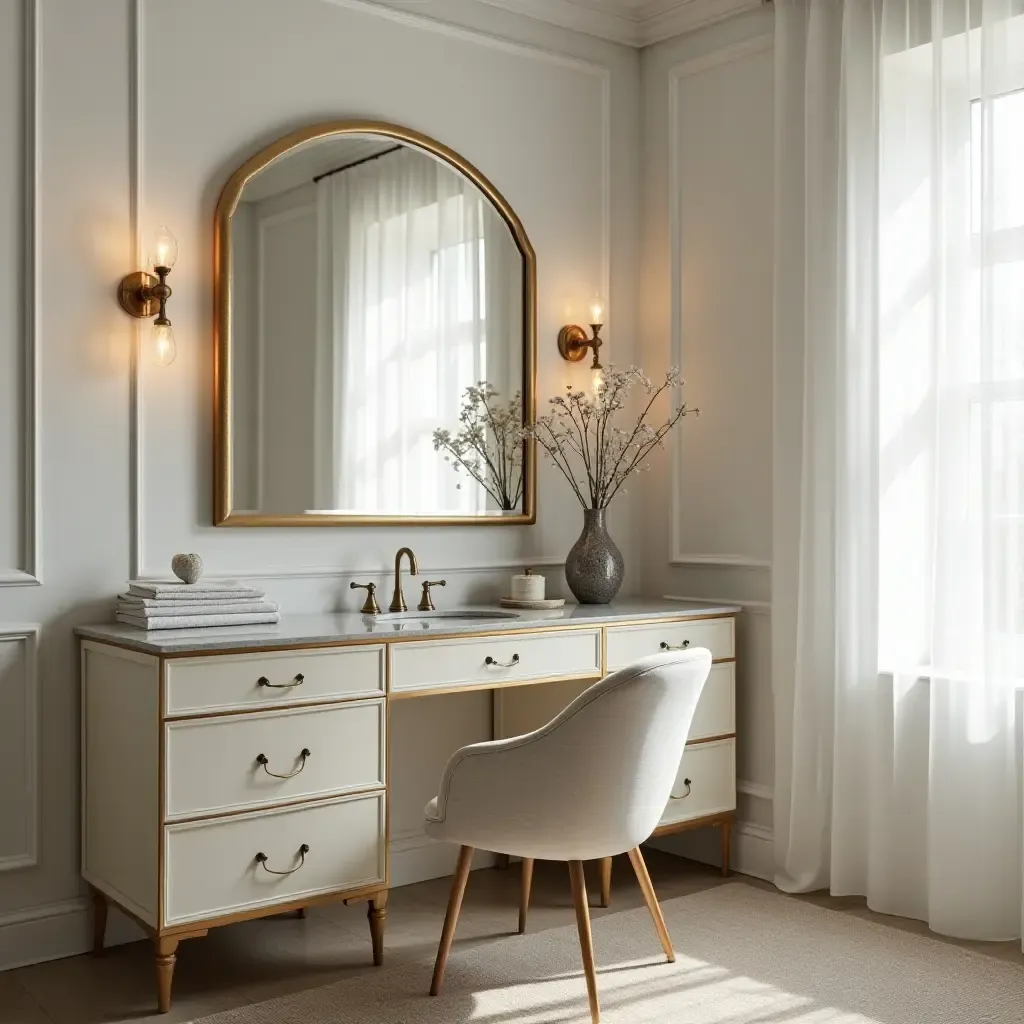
[752, 849]
[417, 858]
[57, 930]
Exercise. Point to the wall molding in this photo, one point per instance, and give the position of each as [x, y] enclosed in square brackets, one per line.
[756, 790]
[676, 73]
[28, 636]
[753, 849]
[30, 574]
[636, 23]
[53, 931]
[415, 857]
[399, 11]
[136, 556]
[722, 561]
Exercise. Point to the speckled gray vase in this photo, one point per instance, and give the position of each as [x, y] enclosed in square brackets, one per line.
[594, 567]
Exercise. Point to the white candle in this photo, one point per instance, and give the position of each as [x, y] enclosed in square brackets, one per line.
[528, 587]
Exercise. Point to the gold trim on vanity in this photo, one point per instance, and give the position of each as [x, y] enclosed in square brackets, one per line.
[166, 937]
[223, 514]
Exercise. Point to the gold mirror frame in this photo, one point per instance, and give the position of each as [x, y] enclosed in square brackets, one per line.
[223, 514]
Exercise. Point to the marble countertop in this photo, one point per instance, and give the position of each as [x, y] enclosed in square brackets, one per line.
[297, 630]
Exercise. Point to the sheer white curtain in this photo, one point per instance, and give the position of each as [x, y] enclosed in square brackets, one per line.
[403, 331]
[898, 570]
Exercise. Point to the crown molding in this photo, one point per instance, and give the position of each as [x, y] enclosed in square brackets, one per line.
[632, 22]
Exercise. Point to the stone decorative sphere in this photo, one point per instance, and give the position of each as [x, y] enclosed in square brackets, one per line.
[188, 568]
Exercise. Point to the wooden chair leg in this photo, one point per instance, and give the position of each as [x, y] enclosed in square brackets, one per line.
[726, 844]
[525, 882]
[640, 868]
[376, 913]
[579, 898]
[166, 950]
[606, 881]
[451, 916]
[99, 921]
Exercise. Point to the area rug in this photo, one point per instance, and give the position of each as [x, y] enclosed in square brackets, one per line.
[744, 956]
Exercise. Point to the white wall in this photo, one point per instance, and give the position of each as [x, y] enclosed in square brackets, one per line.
[706, 305]
[142, 109]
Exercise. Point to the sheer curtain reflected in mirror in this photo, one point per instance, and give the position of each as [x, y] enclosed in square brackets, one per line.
[372, 284]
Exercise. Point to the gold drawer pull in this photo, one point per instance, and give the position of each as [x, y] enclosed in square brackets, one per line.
[261, 858]
[261, 759]
[297, 681]
[676, 647]
[683, 796]
[502, 664]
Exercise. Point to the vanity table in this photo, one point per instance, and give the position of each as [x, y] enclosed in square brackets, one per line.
[235, 773]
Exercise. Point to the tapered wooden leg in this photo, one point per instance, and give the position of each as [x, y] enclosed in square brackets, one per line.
[726, 846]
[451, 916]
[302, 913]
[377, 913]
[525, 882]
[606, 880]
[637, 860]
[99, 921]
[166, 949]
[579, 898]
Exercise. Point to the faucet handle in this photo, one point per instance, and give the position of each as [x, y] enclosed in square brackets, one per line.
[426, 601]
[370, 606]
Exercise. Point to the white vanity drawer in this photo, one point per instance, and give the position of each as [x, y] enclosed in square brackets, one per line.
[213, 763]
[521, 657]
[705, 784]
[716, 710]
[227, 682]
[627, 644]
[210, 867]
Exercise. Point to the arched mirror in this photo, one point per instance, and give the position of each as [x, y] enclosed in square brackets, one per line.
[375, 337]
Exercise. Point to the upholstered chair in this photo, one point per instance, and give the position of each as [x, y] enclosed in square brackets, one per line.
[589, 785]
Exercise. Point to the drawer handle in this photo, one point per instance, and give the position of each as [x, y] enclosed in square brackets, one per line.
[297, 681]
[677, 647]
[262, 759]
[261, 858]
[683, 796]
[502, 664]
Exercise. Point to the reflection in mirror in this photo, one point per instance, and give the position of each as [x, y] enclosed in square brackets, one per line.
[371, 284]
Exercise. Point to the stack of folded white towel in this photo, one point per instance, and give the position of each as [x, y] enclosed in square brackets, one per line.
[184, 605]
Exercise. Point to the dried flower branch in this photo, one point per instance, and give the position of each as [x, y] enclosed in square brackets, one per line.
[489, 444]
[581, 437]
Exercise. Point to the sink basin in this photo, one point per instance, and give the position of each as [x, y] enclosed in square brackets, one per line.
[447, 619]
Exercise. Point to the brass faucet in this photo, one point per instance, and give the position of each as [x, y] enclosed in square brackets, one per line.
[398, 600]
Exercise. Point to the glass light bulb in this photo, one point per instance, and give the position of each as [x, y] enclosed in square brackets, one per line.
[598, 381]
[165, 248]
[163, 344]
[597, 310]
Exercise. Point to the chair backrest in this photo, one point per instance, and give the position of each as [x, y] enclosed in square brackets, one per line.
[617, 748]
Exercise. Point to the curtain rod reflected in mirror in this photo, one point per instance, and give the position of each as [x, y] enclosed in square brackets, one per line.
[375, 337]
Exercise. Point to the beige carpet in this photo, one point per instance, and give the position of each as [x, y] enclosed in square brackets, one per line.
[744, 956]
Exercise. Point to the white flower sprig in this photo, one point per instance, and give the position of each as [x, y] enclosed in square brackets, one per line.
[580, 432]
[489, 444]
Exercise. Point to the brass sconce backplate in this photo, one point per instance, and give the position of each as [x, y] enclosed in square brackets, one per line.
[572, 342]
[135, 294]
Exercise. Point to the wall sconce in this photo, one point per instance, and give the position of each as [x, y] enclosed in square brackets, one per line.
[144, 295]
[573, 341]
